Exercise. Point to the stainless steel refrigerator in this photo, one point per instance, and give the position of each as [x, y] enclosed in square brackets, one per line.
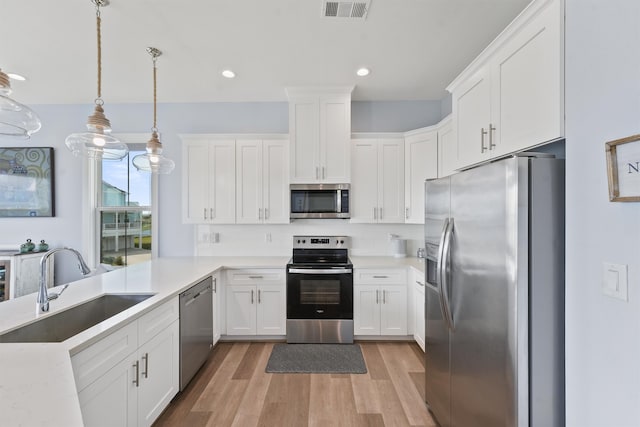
[494, 300]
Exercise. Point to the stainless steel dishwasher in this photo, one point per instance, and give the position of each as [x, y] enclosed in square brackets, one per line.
[196, 328]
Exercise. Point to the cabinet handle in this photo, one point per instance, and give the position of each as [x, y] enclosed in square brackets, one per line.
[136, 381]
[419, 283]
[380, 277]
[259, 213]
[145, 373]
[323, 174]
[380, 216]
[491, 129]
[406, 213]
[255, 277]
[482, 134]
[377, 299]
[375, 213]
[266, 213]
[205, 213]
[211, 213]
[317, 172]
[251, 296]
[384, 296]
[259, 301]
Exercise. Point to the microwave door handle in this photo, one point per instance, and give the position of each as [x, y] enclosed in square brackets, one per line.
[339, 201]
[444, 274]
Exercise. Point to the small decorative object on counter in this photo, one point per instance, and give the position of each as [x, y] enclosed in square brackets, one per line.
[27, 247]
[43, 246]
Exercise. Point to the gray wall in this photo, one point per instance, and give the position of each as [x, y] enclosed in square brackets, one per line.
[602, 104]
[175, 239]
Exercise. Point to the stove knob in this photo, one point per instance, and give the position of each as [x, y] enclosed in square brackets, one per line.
[341, 242]
[298, 240]
[304, 241]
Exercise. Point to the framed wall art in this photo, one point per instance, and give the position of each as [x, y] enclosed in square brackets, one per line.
[623, 169]
[26, 182]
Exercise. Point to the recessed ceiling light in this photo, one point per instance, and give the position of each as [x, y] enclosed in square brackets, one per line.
[228, 74]
[363, 72]
[15, 76]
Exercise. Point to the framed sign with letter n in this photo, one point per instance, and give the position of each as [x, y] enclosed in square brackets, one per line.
[623, 169]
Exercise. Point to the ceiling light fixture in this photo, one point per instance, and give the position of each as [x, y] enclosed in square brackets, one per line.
[228, 74]
[97, 142]
[16, 120]
[363, 72]
[153, 161]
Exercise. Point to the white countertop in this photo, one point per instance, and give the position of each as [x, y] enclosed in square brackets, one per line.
[36, 380]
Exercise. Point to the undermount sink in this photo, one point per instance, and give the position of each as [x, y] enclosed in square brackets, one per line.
[68, 323]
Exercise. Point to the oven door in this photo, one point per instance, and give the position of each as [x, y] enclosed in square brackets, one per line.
[319, 293]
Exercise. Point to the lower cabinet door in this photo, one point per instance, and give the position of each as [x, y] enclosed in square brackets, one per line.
[271, 310]
[393, 310]
[419, 316]
[159, 370]
[112, 400]
[366, 310]
[241, 310]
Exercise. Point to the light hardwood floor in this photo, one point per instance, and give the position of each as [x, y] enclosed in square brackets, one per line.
[232, 389]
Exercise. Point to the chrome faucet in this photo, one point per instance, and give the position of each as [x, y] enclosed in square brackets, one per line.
[43, 296]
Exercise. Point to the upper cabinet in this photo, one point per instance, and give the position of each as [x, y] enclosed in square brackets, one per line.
[229, 179]
[262, 182]
[447, 148]
[208, 180]
[421, 163]
[320, 132]
[377, 193]
[511, 97]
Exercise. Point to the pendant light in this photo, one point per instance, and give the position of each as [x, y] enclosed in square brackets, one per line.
[153, 160]
[16, 120]
[97, 142]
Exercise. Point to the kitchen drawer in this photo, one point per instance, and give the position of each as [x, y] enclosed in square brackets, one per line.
[370, 276]
[94, 361]
[256, 276]
[157, 320]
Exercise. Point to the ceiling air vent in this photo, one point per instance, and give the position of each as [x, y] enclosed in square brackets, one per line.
[345, 9]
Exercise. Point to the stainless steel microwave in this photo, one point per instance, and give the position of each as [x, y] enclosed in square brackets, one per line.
[320, 201]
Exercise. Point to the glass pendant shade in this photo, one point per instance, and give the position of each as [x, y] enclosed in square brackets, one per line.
[16, 120]
[97, 143]
[153, 161]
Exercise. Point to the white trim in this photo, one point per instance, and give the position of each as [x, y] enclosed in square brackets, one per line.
[204, 137]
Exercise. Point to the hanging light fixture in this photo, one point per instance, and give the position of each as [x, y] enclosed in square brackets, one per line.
[16, 120]
[97, 141]
[153, 160]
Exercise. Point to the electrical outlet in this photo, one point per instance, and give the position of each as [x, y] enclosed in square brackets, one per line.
[215, 237]
[267, 237]
[614, 280]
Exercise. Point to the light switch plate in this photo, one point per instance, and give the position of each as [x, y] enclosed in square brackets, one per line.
[614, 280]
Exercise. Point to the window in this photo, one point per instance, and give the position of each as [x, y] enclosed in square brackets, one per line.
[123, 208]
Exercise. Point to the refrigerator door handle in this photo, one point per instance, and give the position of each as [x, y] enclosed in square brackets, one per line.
[443, 269]
[439, 265]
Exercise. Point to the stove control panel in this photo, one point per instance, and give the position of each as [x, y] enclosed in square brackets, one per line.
[321, 242]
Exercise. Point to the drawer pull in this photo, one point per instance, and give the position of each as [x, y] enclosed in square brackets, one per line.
[380, 277]
[419, 283]
[255, 277]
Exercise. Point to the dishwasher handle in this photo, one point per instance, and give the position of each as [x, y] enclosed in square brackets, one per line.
[192, 298]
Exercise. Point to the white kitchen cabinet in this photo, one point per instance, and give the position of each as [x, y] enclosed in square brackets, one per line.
[256, 302]
[511, 97]
[377, 186]
[420, 163]
[262, 181]
[131, 375]
[380, 302]
[320, 130]
[416, 281]
[447, 148]
[208, 180]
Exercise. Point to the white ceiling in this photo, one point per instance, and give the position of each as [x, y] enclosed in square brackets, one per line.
[414, 48]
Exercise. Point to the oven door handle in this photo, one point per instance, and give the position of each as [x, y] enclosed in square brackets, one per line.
[320, 271]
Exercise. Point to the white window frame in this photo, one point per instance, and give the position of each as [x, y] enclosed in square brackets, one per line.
[92, 194]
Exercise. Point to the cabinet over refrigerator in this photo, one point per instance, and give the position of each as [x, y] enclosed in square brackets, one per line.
[494, 294]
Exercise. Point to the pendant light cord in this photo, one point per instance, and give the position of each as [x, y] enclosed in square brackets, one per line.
[155, 127]
[98, 22]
